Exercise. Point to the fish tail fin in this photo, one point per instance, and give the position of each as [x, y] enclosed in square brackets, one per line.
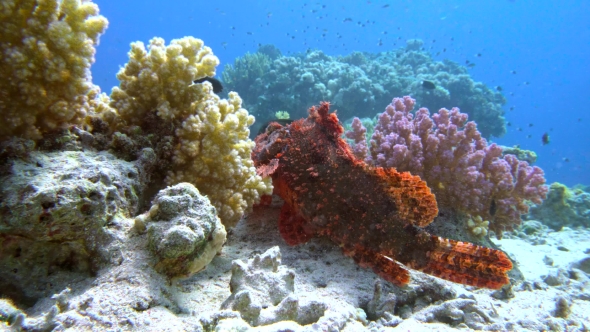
[467, 263]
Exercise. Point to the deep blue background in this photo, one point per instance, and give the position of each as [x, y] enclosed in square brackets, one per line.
[546, 42]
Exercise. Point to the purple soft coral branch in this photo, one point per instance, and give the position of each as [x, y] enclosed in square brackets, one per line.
[358, 135]
[456, 162]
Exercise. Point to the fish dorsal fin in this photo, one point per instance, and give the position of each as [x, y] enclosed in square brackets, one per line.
[414, 200]
[329, 121]
[332, 129]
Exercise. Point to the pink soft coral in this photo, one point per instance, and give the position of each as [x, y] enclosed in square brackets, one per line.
[456, 162]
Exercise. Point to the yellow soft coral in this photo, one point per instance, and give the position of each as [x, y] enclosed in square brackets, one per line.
[47, 47]
[212, 148]
[477, 226]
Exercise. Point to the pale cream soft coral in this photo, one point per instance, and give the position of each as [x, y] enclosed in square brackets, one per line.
[213, 148]
[214, 155]
[47, 47]
[160, 78]
[477, 226]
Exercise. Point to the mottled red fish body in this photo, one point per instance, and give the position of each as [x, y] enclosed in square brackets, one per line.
[376, 215]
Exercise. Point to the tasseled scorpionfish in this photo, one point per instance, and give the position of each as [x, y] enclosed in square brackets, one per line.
[376, 215]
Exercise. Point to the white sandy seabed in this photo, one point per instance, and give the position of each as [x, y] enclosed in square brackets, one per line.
[314, 287]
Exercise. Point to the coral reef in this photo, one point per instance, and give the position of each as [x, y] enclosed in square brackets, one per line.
[358, 83]
[564, 207]
[62, 227]
[251, 66]
[328, 192]
[329, 291]
[524, 155]
[209, 146]
[183, 229]
[47, 47]
[456, 162]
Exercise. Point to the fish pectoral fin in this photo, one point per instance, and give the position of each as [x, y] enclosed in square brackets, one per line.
[414, 201]
[291, 226]
[385, 267]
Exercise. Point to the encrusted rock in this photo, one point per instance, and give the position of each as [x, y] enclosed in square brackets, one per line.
[59, 211]
[184, 232]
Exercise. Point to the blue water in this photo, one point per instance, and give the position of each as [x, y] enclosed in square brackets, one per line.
[546, 42]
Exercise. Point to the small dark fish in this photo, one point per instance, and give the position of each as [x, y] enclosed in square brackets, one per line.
[478, 54]
[512, 108]
[249, 33]
[348, 19]
[499, 88]
[508, 124]
[384, 6]
[529, 136]
[428, 85]
[567, 160]
[471, 65]
[217, 87]
[282, 122]
[545, 139]
[530, 124]
[493, 208]
[513, 72]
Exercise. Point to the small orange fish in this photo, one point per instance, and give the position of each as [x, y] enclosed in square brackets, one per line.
[376, 215]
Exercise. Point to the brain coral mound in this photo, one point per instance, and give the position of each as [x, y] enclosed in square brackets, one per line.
[361, 82]
[199, 137]
[47, 47]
